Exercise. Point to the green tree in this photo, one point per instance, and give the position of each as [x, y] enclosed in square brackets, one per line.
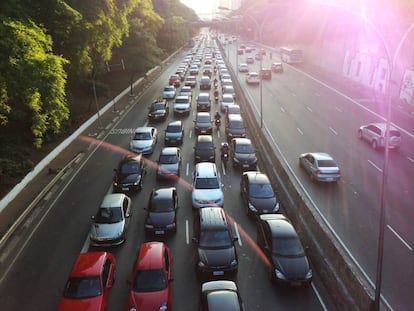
[36, 79]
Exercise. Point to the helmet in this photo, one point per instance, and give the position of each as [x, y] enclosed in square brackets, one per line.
[224, 145]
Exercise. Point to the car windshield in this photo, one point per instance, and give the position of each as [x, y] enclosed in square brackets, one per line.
[81, 288]
[173, 128]
[288, 247]
[227, 99]
[261, 191]
[203, 99]
[326, 163]
[142, 136]
[244, 148]
[203, 119]
[168, 89]
[131, 167]
[157, 106]
[180, 100]
[161, 205]
[215, 239]
[168, 159]
[108, 215]
[204, 146]
[152, 280]
[207, 183]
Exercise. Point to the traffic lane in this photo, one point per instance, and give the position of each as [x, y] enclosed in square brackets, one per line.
[362, 250]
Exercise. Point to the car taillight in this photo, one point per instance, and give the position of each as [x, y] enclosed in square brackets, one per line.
[318, 172]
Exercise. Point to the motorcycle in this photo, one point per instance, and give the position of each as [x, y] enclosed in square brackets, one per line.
[217, 122]
[216, 97]
[224, 155]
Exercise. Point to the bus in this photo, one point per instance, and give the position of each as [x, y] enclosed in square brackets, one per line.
[291, 55]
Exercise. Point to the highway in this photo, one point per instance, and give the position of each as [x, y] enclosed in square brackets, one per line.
[30, 277]
[302, 114]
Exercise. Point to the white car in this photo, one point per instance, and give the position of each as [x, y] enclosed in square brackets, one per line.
[168, 92]
[144, 140]
[243, 67]
[186, 91]
[207, 186]
[252, 78]
[226, 101]
[110, 222]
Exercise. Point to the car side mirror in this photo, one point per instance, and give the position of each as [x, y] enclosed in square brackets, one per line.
[195, 240]
[235, 239]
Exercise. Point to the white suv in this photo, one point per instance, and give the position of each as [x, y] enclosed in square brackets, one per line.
[206, 186]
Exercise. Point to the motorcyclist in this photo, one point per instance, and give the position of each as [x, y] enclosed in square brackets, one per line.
[217, 116]
[224, 149]
[215, 82]
[216, 95]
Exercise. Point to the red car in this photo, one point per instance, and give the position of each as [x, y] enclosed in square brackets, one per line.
[150, 286]
[89, 282]
[175, 80]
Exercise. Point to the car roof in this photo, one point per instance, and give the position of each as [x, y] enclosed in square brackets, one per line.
[235, 117]
[169, 151]
[321, 156]
[280, 226]
[206, 169]
[227, 95]
[218, 285]
[89, 264]
[143, 129]
[163, 193]
[383, 126]
[257, 177]
[182, 96]
[150, 256]
[112, 200]
[204, 138]
[203, 113]
[213, 218]
[242, 141]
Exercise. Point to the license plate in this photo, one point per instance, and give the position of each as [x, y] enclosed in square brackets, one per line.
[159, 231]
[295, 283]
[329, 179]
[125, 188]
[245, 165]
[203, 132]
[218, 273]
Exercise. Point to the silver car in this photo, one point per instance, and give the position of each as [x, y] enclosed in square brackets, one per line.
[144, 140]
[110, 222]
[374, 133]
[320, 166]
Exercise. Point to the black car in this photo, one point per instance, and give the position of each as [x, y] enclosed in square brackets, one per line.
[174, 133]
[220, 295]
[257, 194]
[169, 163]
[216, 256]
[159, 110]
[204, 150]
[280, 242]
[203, 102]
[277, 67]
[203, 123]
[129, 174]
[243, 153]
[161, 211]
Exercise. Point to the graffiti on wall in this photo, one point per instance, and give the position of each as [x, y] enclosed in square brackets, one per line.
[407, 87]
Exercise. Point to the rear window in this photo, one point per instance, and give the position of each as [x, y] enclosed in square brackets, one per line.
[326, 163]
[395, 133]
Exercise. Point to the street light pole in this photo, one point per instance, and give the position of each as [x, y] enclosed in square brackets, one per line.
[261, 94]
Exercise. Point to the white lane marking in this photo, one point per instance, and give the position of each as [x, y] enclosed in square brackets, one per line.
[190, 134]
[282, 109]
[373, 164]
[317, 94]
[223, 167]
[309, 108]
[187, 232]
[294, 94]
[300, 132]
[400, 238]
[410, 159]
[338, 109]
[187, 169]
[324, 307]
[238, 234]
[333, 131]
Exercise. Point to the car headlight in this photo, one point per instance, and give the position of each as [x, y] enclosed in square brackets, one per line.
[136, 183]
[276, 208]
[236, 160]
[280, 275]
[132, 308]
[201, 264]
[233, 263]
[252, 208]
[163, 307]
[170, 226]
[309, 274]
[115, 184]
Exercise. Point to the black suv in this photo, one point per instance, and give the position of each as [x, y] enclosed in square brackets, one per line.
[203, 123]
[265, 74]
[204, 150]
[203, 102]
[216, 254]
[159, 110]
[243, 153]
[129, 174]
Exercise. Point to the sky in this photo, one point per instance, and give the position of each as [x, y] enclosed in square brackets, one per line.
[204, 8]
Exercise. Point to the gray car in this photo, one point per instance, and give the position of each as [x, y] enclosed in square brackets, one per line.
[375, 133]
[320, 166]
[169, 163]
